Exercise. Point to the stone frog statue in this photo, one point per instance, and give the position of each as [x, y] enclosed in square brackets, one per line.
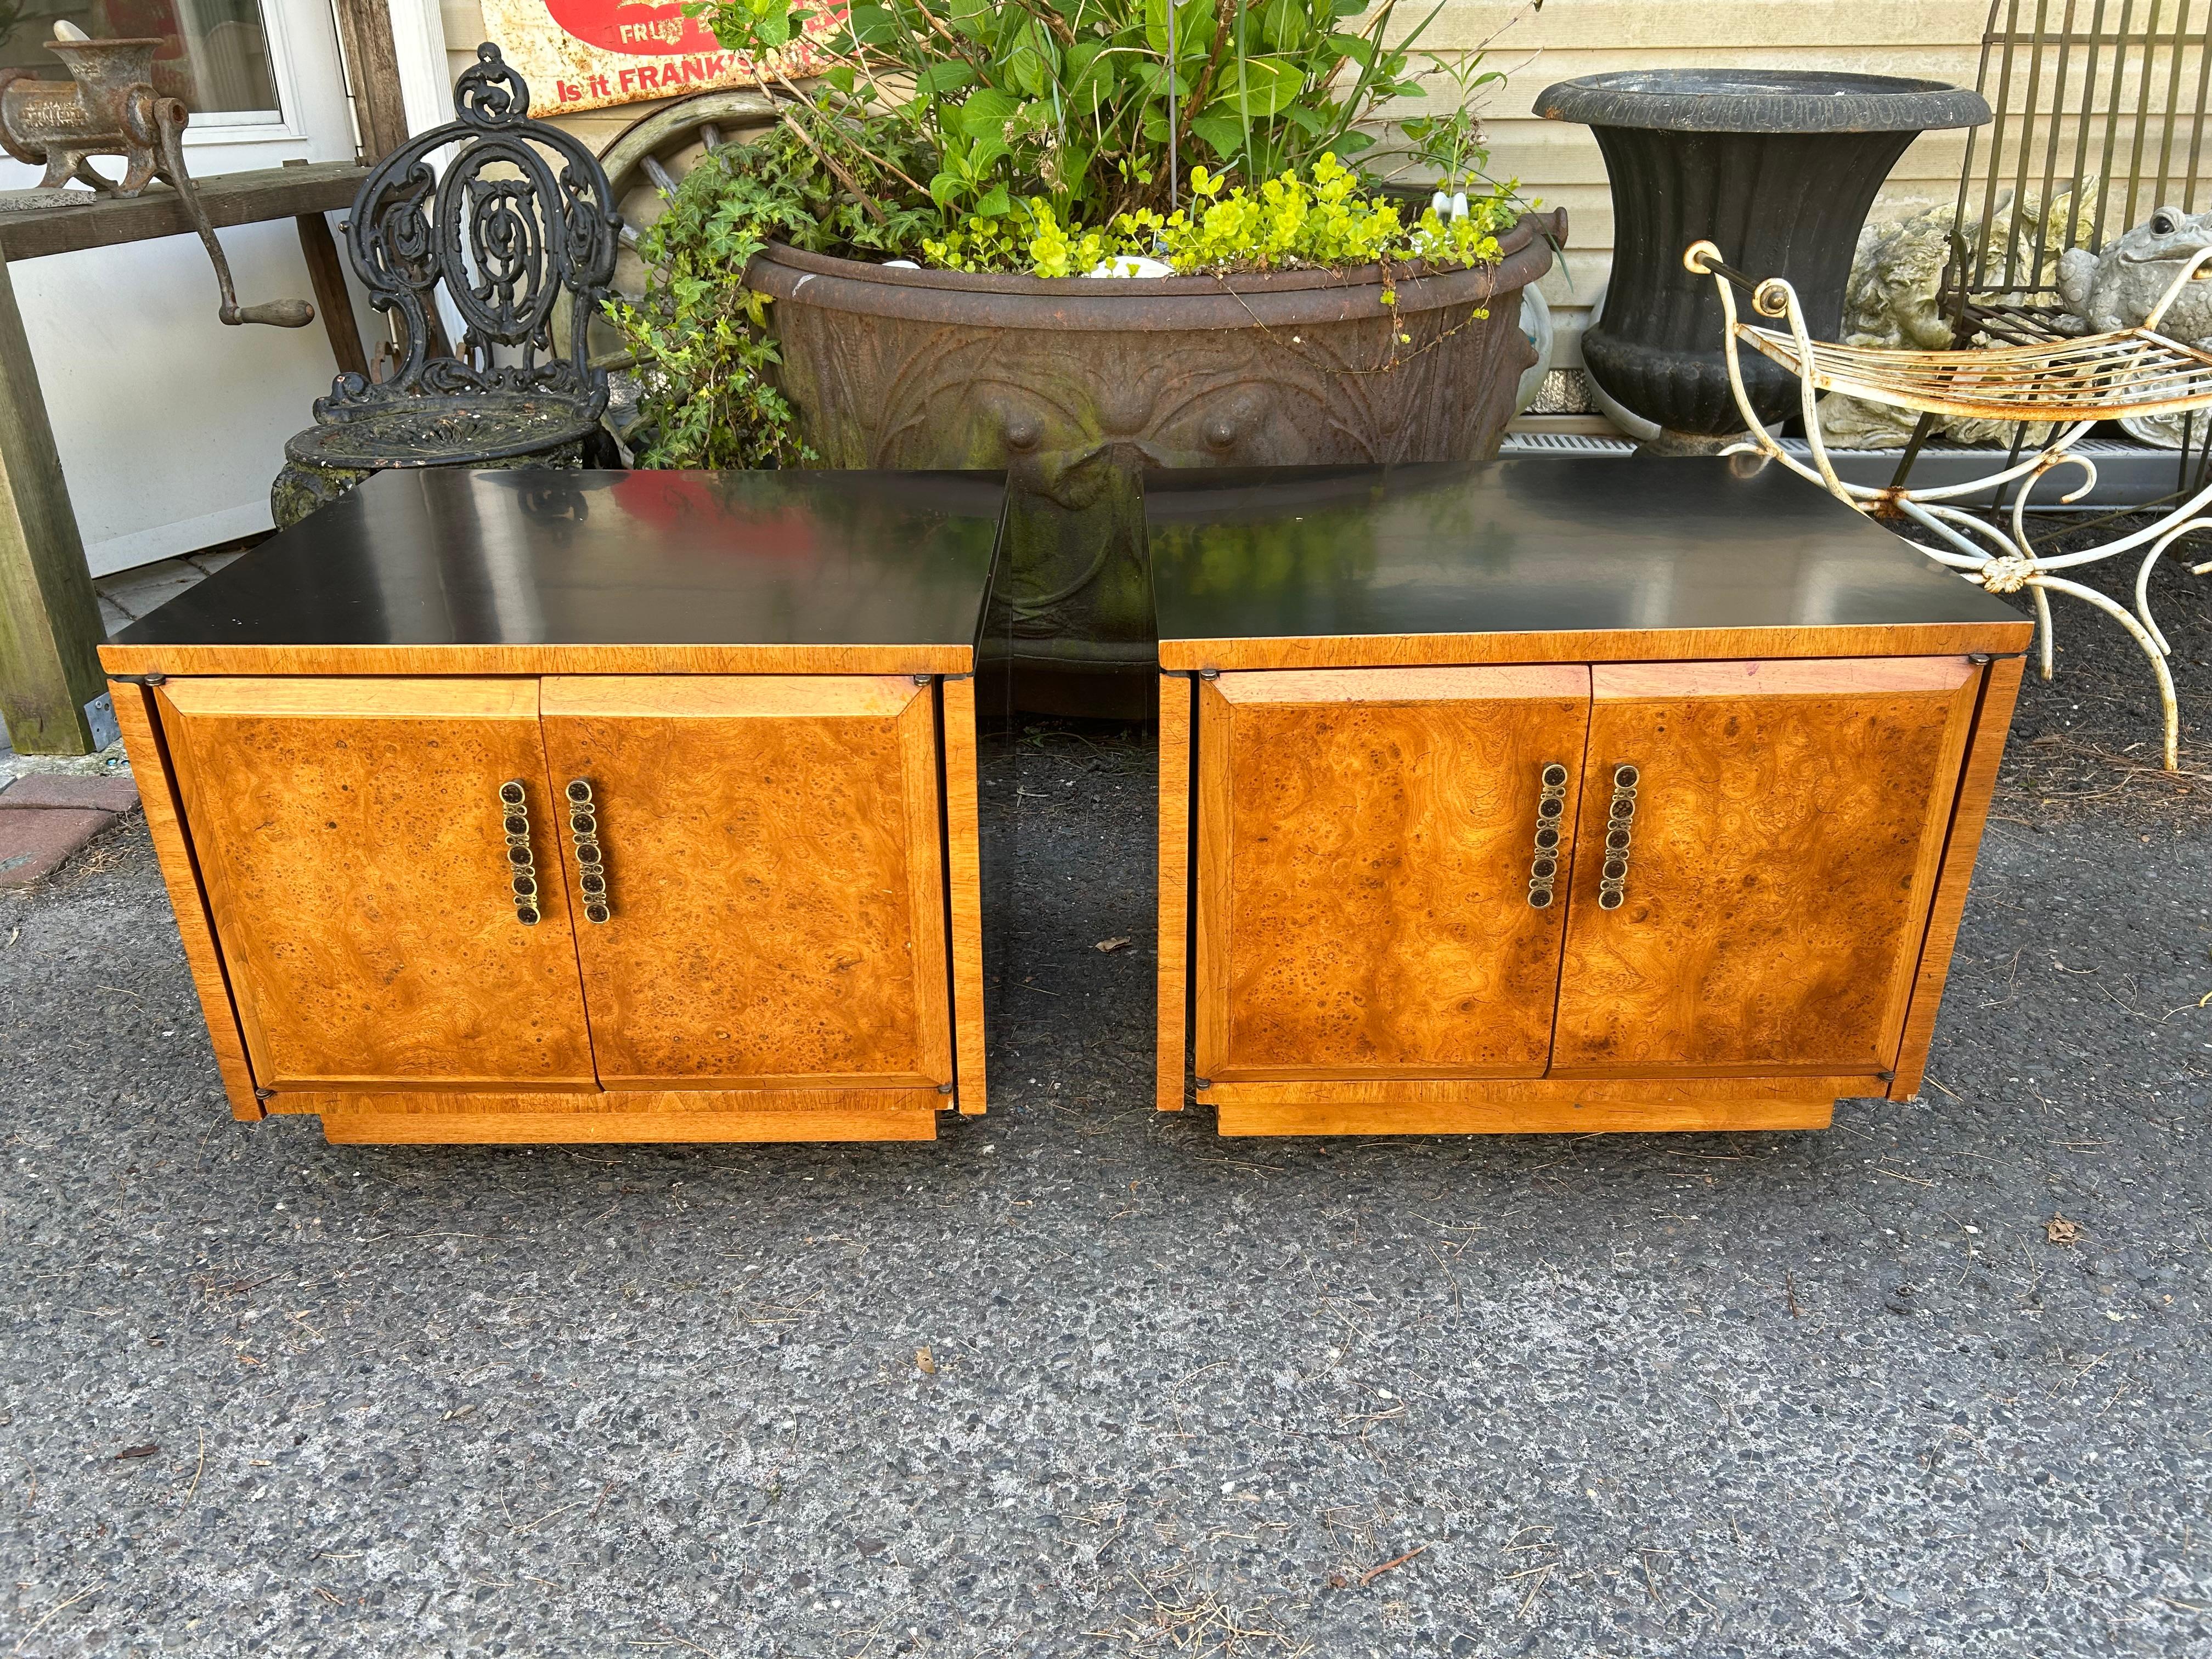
[2116, 290]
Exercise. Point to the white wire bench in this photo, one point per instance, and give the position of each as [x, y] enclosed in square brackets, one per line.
[2068, 384]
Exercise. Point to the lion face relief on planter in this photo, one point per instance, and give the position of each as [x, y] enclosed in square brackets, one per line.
[1075, 385]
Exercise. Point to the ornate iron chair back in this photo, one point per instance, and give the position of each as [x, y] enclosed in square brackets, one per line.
[519, 216]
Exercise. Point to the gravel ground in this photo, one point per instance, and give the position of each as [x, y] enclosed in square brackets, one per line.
[1932, 1383]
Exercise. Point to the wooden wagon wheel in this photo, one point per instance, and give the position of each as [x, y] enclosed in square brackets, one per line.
[644, 165]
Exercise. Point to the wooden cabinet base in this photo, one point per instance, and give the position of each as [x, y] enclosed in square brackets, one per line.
[397, 1120]
[672, 836]
[1522, 1106]
[1553, 797]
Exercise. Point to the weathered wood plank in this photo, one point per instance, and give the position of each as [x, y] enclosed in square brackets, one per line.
[50, 626]
[372, 63]
[327, 272]
[231, 199]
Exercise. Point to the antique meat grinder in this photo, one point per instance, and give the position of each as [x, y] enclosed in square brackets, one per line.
[110, 108]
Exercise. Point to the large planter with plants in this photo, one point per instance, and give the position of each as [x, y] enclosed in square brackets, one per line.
[1074, 386]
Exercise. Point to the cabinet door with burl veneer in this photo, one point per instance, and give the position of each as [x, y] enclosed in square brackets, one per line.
[1381, 879]
[772, 911]
[387, 919]
[1757, 853]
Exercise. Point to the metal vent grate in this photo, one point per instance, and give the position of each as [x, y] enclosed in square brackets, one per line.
[2127, 474]
[1993, 455]
[1563, 443]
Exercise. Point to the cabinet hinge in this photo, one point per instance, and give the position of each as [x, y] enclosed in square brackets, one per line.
[1201, 1083]
[1887, 1077]
[945, 1088]
[264, 1094]
[156, 678]
[925, 679]
[1981, 657]
[1209, 673]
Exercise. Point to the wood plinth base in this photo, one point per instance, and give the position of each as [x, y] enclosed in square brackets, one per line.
[673, 1115]
[1513, 1106]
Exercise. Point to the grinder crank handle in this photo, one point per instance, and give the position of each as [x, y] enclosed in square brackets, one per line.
[278, 313]
[170, 116]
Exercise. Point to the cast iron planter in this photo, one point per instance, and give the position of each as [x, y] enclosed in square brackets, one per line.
[1075, 386]
[1779, 168]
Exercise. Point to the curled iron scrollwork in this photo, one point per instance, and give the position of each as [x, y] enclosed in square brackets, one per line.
[489, 93]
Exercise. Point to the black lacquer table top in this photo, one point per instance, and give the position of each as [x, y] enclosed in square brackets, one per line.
[1541, 545]
[436, 556]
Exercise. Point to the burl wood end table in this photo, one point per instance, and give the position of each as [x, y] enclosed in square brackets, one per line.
[566, 806]
[1557, 794]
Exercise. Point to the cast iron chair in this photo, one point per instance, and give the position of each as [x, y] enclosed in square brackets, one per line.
[518, 218]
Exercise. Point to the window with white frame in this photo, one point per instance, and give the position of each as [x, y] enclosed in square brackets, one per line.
[215, 54]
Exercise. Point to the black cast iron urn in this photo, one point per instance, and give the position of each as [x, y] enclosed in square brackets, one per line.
[1779, 168]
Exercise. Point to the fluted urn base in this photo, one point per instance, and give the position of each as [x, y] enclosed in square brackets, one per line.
[1778, 170]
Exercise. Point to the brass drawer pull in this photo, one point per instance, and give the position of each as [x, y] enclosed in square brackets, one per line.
[591, 871]
[1620, 822]
[1550, 807]
[521, 868]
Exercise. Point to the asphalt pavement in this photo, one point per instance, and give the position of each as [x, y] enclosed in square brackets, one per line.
[1078, 1379]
